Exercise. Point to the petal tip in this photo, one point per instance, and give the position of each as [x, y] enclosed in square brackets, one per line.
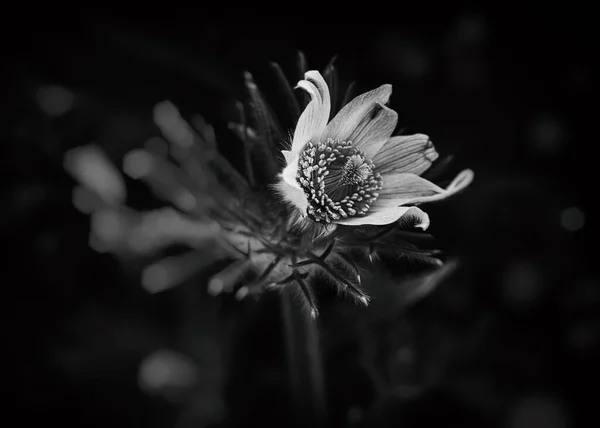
[431, 153]
[387, 90]
[312, 75]
[462, 180]
[313, 119]
[420, 219]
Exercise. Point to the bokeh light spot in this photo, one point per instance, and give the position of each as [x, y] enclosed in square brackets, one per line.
[138, 163]
[90, 166]
[164, 372]
[54, 100]
[547, 134]
[522, 283]
[537, 411]
[572, 219]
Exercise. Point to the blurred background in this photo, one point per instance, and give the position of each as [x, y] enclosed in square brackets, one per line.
[507, 341]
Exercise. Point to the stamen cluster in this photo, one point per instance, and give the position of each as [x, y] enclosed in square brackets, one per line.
[337, 179]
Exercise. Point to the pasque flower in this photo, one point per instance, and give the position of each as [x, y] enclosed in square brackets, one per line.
[350, 170]
[345, 171]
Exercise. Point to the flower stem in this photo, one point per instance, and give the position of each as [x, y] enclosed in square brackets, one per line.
[305, 367]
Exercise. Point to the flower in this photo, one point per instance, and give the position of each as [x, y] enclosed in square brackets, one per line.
[224, 212]
[350, 170]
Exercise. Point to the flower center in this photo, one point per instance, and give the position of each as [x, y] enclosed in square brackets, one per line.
[356, 170]
[337, 179]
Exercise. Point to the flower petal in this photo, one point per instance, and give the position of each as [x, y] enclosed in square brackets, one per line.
[406, 153]
[370, 136]
[365, 121]
[462, 180]
[288, 155]
[293, 194]
[313, 119]
[405, 188]
[291, 169]
[386, 215]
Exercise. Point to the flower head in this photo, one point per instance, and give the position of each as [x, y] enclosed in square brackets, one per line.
[350, 170]
[347, 171]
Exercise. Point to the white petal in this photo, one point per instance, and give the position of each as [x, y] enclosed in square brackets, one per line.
[405, 188]
[313, 119]
[365, 121]
[386, 215]
[293, 195]
[288, 155]
[291, 169]
[462, 180]
[406, 153]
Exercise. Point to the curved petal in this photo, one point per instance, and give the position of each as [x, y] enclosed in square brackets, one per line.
[385, 215]
[406, 153]
[462, 180]
[365, 121]
[405, 188]
[313, 119]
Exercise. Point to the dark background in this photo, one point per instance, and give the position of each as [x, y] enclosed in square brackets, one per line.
[507, 342]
